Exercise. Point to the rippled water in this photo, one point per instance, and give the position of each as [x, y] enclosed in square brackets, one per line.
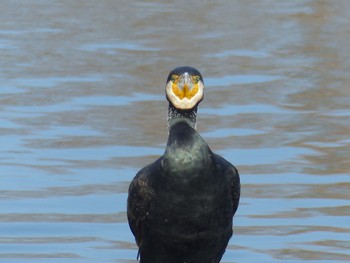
[82, 109]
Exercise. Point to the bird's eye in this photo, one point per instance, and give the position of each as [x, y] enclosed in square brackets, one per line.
[196, 79]
[174, 78]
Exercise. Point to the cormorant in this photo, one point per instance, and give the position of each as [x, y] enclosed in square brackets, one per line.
[180, 207]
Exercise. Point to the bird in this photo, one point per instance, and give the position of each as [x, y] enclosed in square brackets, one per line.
[180, 208]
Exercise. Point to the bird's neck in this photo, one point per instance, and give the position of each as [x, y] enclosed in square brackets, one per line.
[188, 115]
[186, 152]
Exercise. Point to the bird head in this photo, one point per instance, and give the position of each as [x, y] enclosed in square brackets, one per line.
[184, 88]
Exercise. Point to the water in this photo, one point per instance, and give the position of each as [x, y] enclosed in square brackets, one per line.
[82, 109]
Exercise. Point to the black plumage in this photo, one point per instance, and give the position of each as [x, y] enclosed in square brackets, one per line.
[180, 207]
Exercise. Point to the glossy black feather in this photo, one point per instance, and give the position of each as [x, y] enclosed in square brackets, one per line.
[180, 207]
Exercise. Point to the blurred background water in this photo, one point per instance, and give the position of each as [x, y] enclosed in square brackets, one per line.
[82, 109]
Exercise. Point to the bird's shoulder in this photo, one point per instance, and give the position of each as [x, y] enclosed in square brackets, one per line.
[141, 184]
[225, 166]
[141, 192]
[232, 176]
[141, 189]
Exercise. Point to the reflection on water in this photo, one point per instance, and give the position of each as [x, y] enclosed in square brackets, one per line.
[82, 108]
